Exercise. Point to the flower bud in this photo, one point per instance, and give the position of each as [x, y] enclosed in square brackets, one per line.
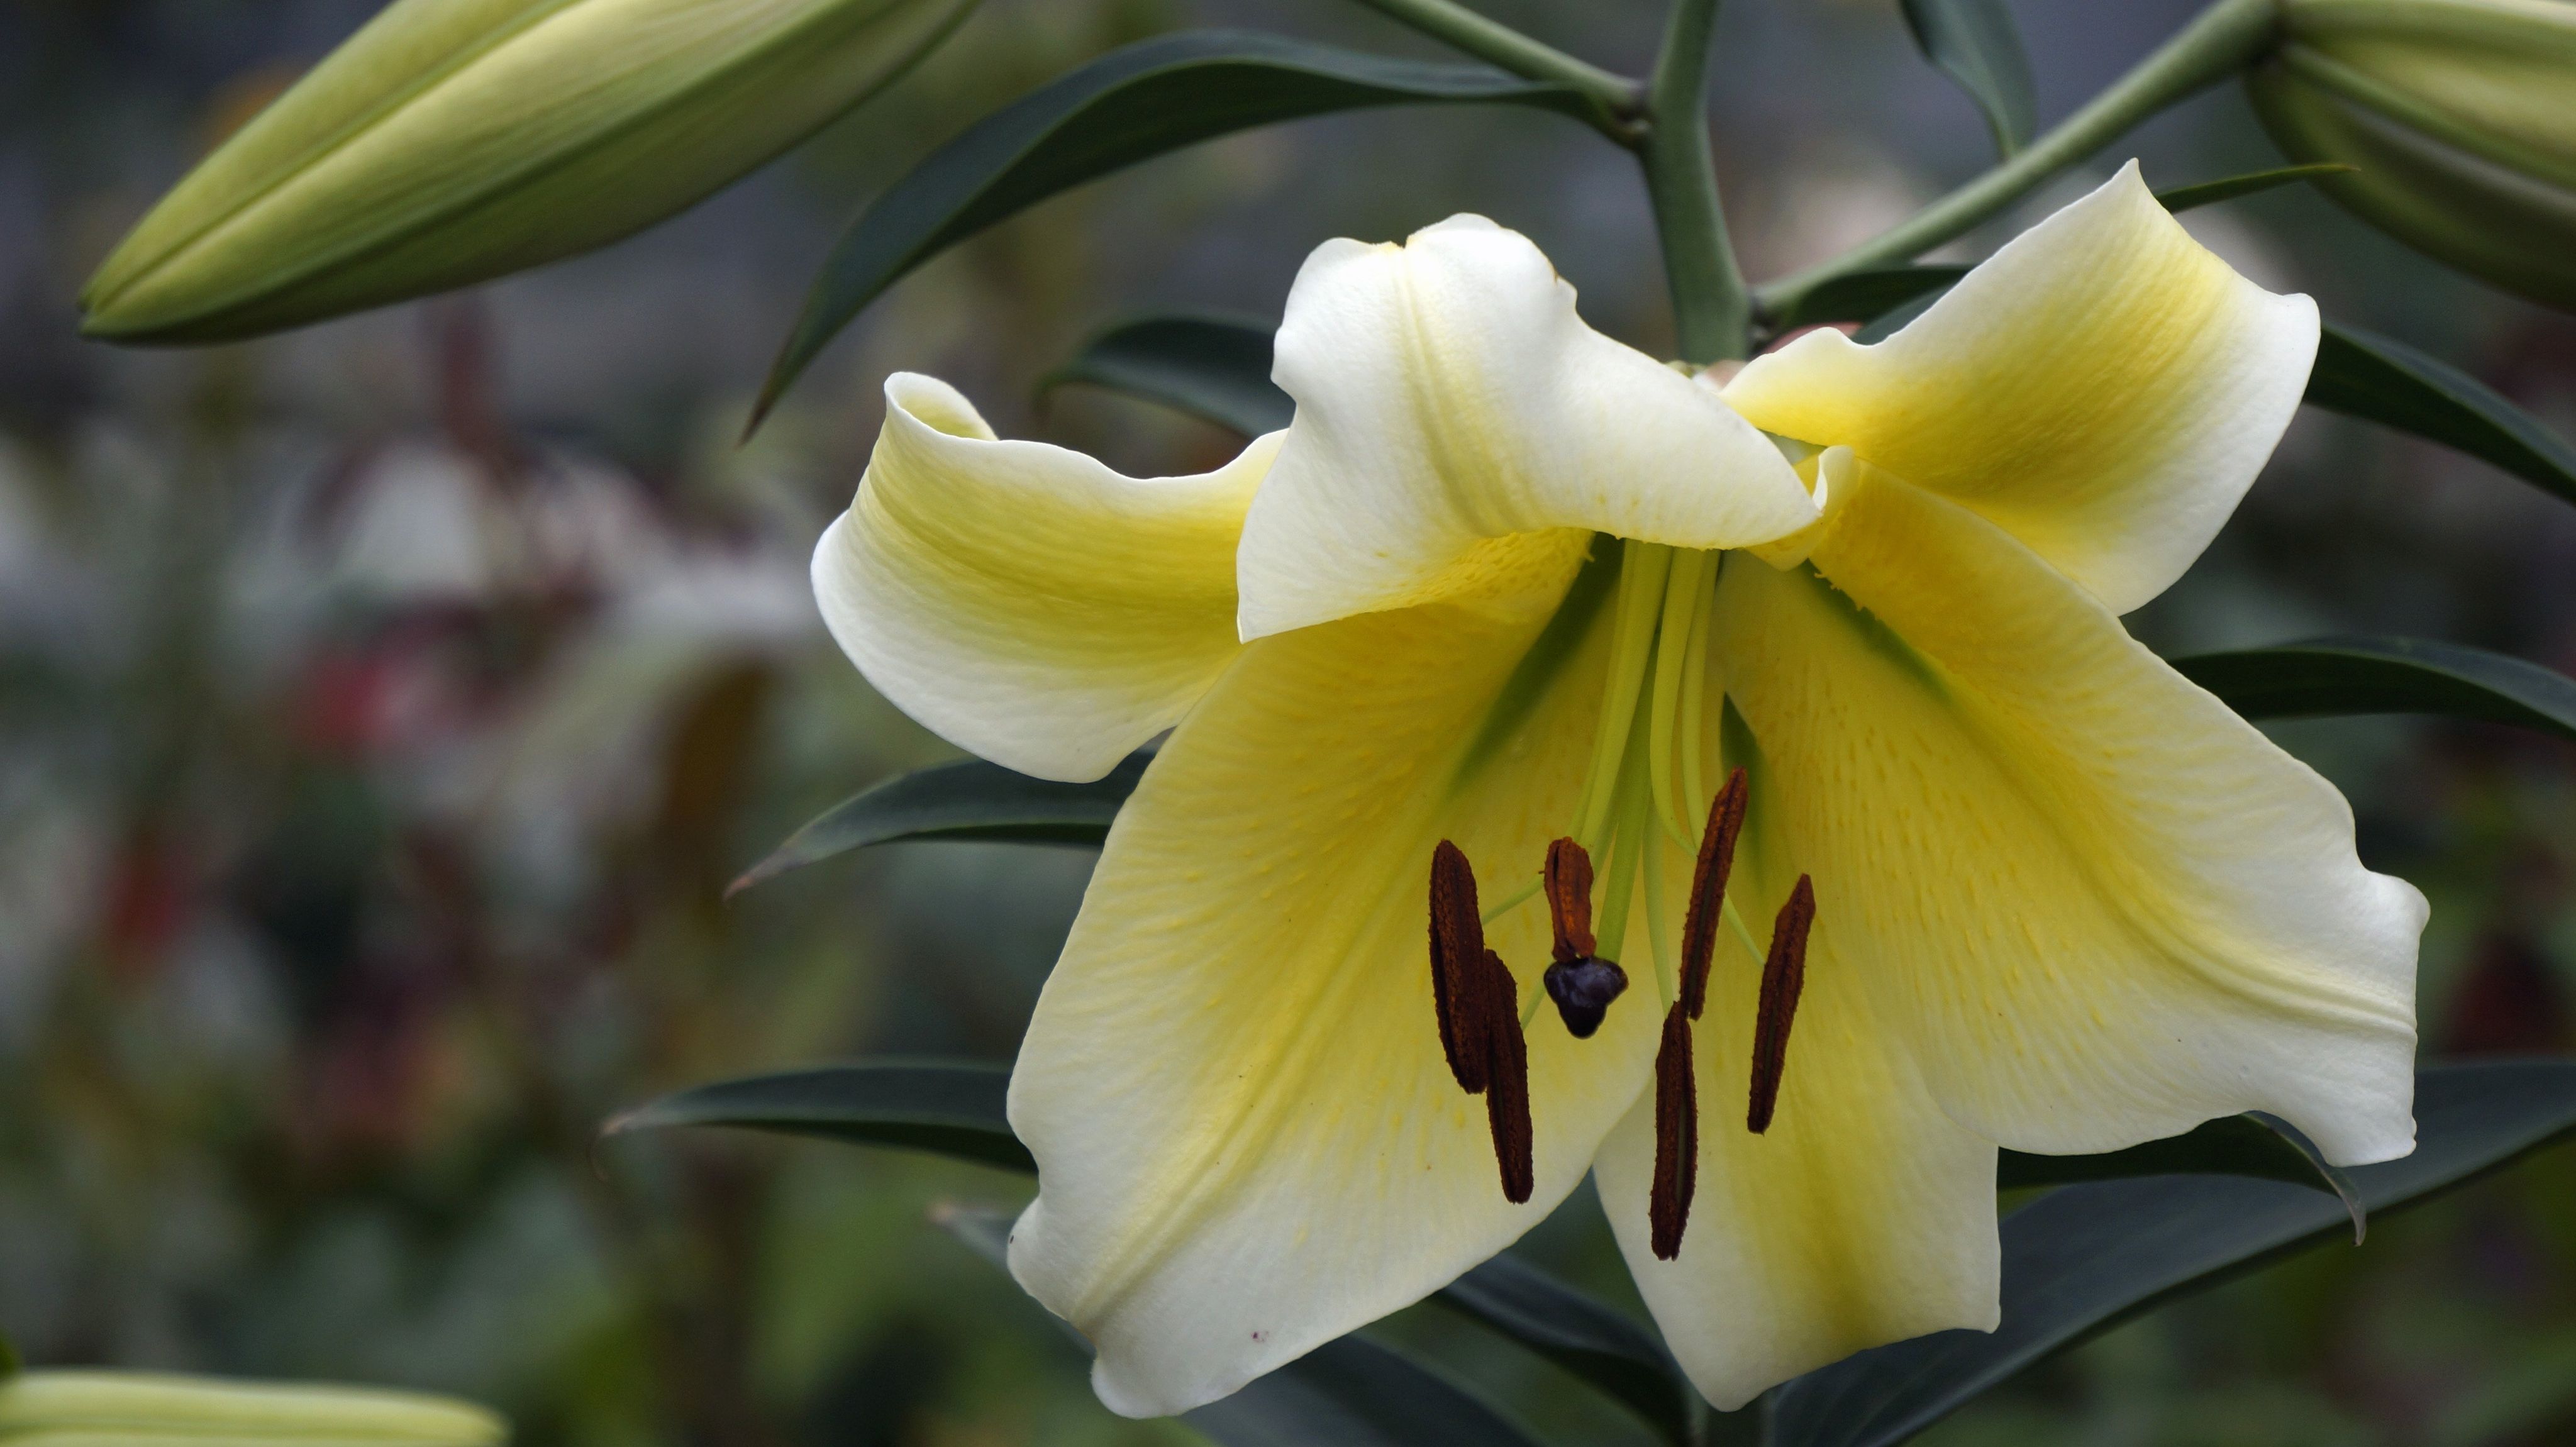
[107, 1409]
[450, 141]
[2460, 114]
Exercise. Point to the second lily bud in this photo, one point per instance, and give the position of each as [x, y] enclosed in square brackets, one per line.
[2459, 114]
[450, 141]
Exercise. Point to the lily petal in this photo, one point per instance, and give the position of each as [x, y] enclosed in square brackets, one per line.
[1862, 1215]
[1248, 1139]
[2103, 388]
[2099, 906]
[1023, 601]
[1448, 397]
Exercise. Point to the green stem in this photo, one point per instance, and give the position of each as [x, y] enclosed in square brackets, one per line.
[1489, 40]
[1711, 311]
[2227, 37]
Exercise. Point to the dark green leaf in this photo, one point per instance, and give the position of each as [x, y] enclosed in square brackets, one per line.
[967, 800]
[2084, 1258]
[2394, 385]
[2210, 193]
[1350, 1391]
[1860, 296]
[1209, 367]
[2253, 1144]
[953, 1108]
[1975, 43]
[1601, 1345]
[1128, 106]
[2387, 675]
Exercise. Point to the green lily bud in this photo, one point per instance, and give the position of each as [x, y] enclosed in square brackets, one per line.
[2460, 114]
[450, 141]
[141, 1409]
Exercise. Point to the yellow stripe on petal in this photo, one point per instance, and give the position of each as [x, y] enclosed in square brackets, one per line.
[1449, 398]
[2103, 388]
[2099, 907]
[1025, 602]
[1248, 1138]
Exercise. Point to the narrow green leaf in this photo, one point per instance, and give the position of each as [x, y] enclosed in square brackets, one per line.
[1128, 106]
[2087, 1257]
[2388, 382]
[2254, 1144]
[2210, 193]
[2387, 675]
[1861, 296]
[1213, 368]
[1594, 1341]
[970, 799]
[951, 1108]
[1350, 1392]
[1975, 43]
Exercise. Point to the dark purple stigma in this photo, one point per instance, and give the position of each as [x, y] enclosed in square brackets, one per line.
[1583, 988]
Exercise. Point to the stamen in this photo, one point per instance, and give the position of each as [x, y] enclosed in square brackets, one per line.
[1784, 976]
[1695, 684]
[1457, 966]
[1708, 889]
[1676, 1137]
[1642, 570]
[1672, 660]
[1478, 1005]
[1581, 984]
[1507, 1103]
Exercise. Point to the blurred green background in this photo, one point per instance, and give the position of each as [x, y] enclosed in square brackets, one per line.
[383, 708]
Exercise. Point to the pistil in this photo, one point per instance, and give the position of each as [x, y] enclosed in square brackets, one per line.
[1580, 982]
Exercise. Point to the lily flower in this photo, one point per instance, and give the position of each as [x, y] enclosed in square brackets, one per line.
[1802, 708]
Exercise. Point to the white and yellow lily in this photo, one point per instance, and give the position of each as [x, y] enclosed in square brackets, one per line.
[1505, 582]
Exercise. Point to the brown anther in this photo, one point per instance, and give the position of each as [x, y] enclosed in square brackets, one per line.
[1676, 1137]
[1784, 976]
[1457, 965]
[1569, 899]
[1708, 889]
[1478, 1005]
[1507, 1102]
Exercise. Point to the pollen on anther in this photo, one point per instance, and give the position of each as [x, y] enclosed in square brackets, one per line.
[1676, 1137]
[1708, 889]
[1784, 978]
[1478, 1005]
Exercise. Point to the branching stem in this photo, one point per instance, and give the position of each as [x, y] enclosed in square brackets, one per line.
[1711, 311]
[1490, 40]
[2223, 40]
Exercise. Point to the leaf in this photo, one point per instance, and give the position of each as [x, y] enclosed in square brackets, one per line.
[2087, 1257]
[970, 799]
[1592, 1340]
[2210, 193]
[2254, 1144]
[1975, 43]
[2387, 675]
[2388, 382]
[1349, 1391]
[953, 1108]
[1210, 367]
[1860, 296]
[1130, 105]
